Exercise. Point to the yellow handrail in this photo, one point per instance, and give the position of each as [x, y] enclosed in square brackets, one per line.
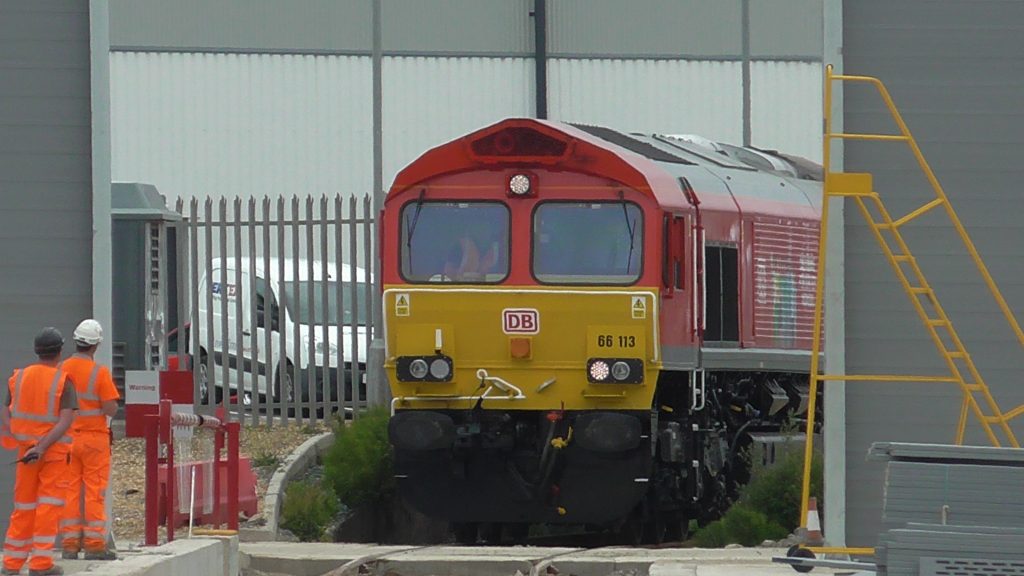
[858, 187]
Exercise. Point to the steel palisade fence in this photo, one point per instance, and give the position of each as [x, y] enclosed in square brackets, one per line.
[246, 359]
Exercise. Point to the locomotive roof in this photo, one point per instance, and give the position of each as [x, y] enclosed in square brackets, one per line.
[650, 163]
[716, 173]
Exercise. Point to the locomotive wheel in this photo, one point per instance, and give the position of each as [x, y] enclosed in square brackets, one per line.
[633, 529]
[517, 532]
[655, 530]
[490, 533]
[677, 528]
[465, 532]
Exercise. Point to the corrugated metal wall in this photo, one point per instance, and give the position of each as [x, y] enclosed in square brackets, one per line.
[208, 124]
[250, 98]
[784, 100]
[667, 96]
[430, 100]
[45, 181]
[204, 124]
[952, 68]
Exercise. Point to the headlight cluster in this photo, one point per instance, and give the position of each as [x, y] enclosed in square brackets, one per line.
[437, 368]
[615, 371]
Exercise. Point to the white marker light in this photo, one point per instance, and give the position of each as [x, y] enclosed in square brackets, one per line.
[599, 371]
[519, 185]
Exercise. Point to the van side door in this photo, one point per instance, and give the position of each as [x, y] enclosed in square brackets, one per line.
[228, 326]
[266, 326]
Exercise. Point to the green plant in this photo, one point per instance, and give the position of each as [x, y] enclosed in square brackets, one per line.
[307, 509]
[768, 507]
[775, 490]
[740, 525]
[358, 464]
[266, 460]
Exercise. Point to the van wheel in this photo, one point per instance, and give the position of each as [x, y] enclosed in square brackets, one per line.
[284, 385]
[204, 381]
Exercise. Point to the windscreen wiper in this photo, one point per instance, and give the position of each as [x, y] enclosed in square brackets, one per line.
[629, 228]
[411, 227]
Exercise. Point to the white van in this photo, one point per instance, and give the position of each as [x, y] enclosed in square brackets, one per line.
[283, 311]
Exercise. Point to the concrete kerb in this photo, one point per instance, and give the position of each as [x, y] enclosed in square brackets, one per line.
[300, 460]
[212, 556]
[347, 559]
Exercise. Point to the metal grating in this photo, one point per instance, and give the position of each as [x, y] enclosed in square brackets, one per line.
[785, 262]
[970, 567]
[117, 366]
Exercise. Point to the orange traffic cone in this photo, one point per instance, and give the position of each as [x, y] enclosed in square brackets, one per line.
[814, 536]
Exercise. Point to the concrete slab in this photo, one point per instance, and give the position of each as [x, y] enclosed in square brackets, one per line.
[318, 559]
[200, 556]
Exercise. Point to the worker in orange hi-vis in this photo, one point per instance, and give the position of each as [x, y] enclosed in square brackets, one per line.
[84, 523]
[36, 410]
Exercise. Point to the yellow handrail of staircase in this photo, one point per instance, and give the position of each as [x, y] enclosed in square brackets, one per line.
[858, 187]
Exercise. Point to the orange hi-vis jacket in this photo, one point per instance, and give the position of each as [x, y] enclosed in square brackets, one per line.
[35, 405]
[94, 385]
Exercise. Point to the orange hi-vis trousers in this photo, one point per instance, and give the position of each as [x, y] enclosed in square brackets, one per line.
[84, 522]
[39, 490]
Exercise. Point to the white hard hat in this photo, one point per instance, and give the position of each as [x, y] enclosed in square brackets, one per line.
[89, 332]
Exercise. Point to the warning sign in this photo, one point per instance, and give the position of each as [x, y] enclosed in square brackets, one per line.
[639, 308]
[402, 304]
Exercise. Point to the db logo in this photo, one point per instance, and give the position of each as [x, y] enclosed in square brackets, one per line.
[520, 321]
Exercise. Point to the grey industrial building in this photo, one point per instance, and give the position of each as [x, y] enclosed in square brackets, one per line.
[213, 98]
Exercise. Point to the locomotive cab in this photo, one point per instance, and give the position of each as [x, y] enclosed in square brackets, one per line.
[544, 310]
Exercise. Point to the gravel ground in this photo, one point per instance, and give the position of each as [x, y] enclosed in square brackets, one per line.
[267, 447]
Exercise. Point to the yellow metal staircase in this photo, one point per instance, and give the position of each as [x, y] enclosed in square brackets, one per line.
[977, 399]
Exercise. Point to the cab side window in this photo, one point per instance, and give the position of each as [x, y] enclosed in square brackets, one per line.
[266, 306]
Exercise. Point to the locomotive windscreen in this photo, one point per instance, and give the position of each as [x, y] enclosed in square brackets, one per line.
[591, 243]
[464, 242]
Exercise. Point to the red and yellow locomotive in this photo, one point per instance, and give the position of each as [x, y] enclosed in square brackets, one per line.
[585, 326]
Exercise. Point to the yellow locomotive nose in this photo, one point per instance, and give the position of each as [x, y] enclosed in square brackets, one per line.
[537, 348]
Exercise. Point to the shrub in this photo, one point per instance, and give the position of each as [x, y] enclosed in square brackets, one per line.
[768, 507]
[307, 509]
[775, 490]
[740, 525]
[358, 464]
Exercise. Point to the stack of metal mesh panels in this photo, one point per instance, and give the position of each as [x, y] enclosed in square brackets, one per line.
[951, 510]
[932, 549]
[954, 485]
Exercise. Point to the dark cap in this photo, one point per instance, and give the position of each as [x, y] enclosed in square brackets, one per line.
[49, 342]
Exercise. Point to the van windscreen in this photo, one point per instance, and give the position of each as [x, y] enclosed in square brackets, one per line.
[297, 302]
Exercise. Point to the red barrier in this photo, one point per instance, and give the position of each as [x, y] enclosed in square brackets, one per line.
[160, 496]
[246, 497]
